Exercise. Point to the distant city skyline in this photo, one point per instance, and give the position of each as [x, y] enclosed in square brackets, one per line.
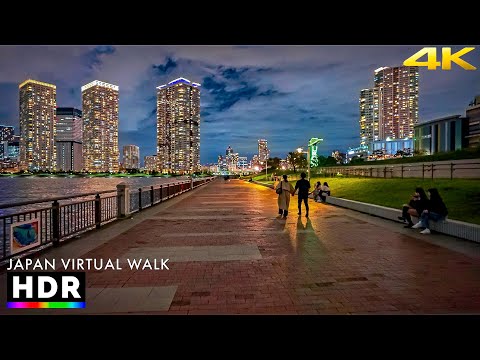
[285, 94]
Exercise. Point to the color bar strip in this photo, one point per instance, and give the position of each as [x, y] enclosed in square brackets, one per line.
[46, 305]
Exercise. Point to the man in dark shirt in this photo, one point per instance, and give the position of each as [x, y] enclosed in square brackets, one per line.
[303, 187]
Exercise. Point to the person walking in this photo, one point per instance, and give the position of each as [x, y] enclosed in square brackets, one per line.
[303, 186]
[284, 189]
[436, 210]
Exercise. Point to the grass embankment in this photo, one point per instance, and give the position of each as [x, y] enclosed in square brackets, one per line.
[464, 154]
[462, 196]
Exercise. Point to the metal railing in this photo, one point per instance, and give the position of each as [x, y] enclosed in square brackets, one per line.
[147, 196]
[62, 218]
[425, 171]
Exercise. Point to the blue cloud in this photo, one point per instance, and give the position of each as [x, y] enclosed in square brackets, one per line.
[94, 57]
[233, 73]
[163, 69]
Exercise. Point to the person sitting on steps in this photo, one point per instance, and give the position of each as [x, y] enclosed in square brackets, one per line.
[324, 192]
[317, 191]
[436, 210]
[415, 207]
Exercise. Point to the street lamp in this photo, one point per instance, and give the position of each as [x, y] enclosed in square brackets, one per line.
[300, 151]
[266, 169]
[311, 143]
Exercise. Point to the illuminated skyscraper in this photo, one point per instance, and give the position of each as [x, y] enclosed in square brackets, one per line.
[131, 157]
[69, 124]
[100, 127]
[242, 163]
[263, 152]
[68, 139]
[69, 155]
[178, 126]
[398, 101]
[37, 125]
[369, 115]
[6, 133]
[150, 163]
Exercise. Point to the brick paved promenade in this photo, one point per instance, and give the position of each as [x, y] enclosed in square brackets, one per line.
[230, 254]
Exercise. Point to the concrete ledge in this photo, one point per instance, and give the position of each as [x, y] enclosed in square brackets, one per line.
[455, 228]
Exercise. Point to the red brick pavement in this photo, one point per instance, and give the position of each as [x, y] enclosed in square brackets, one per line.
[331, 263]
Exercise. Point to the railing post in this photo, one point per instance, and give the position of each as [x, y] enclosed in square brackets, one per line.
[161, 193]
[56, 223]
[402, 171]
[123, 200]
[385, 172]
[139, 199]
[168, 192]
[423, 171]
[432, 167]
[98, 211]
[191, 183]
[451, 171]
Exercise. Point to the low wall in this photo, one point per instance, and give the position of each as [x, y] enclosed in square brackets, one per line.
[455, 228]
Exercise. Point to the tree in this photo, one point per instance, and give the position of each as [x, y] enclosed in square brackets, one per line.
[322, 160]
[418, 152]
[292, 160]
[302, 160]
[274, 162]
[357, 160]
[329, 161]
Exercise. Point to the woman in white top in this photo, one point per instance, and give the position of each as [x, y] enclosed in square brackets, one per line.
[317, 191]
[284, 196]
[324, 192]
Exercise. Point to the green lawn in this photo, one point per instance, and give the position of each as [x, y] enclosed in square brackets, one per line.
[462, 196]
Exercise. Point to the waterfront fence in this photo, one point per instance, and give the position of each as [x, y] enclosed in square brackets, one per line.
[65, 217]
[437, 170]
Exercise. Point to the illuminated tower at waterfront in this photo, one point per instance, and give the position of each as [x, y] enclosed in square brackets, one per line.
[6, 133]
[100, 127]
[263, 152]
[37, 125]
[398, 101]
[178, 126]
[131, 157]
[150, 162]
[369, 115]
[68, 124]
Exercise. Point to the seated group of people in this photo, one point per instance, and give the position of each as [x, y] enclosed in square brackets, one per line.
[321, 192]
[424, 207]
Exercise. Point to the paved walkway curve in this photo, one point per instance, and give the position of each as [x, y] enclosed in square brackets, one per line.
[230, 254]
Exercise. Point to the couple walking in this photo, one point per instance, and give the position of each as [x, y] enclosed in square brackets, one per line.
[284, 189]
